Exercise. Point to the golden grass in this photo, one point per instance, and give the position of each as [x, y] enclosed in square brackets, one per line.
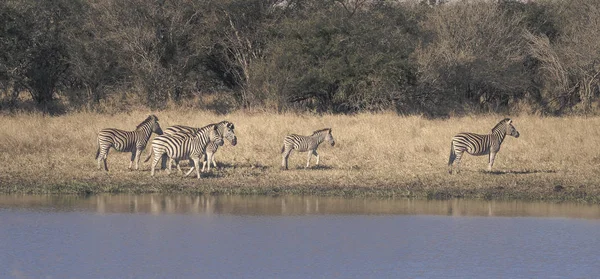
[375, 155]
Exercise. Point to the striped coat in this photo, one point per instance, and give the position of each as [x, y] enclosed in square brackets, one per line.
[478, 145]
[305, 143]
[182, 146]
[127, 141]
[224, 128]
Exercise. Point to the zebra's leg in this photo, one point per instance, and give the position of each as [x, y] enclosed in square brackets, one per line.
[209, 157]
[284, 160]
[163, 163]
[317, 155]
[138, 156]
[190, 171]
[133, 156]
[459, 154]
[308, 160]
[170, 164]
[452, 158]
[154, 163]
[102, 158]
[213, 160]
[197, 166]
[491, 162]
[178, 167]
[105, 165]
[204, 160]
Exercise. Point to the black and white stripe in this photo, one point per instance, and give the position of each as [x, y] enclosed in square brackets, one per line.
[225, 130]
[127, 141]
[305, 143]
[182, 146]
[478, 145]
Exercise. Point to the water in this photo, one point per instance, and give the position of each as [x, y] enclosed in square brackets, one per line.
[154, 236]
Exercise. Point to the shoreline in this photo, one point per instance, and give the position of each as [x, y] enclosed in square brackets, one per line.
[211, 184]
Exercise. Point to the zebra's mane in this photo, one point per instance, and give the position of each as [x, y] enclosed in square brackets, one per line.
[225, 123]
[501, 123]
[320, 131]
[147, 120]
[205, 129]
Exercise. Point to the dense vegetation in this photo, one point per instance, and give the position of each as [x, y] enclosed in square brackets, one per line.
[338, 56]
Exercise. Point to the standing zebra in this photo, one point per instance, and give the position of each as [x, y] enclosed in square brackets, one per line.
[127, 141]
[478, 145]
[225, 130]
[305, 143]
[181, 146]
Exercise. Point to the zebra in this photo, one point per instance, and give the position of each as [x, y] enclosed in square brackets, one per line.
[478, 145]
[181, 146]
[127, 141]
[305, 143]
[224, 128]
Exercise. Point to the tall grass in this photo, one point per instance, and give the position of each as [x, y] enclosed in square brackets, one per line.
[375, 154]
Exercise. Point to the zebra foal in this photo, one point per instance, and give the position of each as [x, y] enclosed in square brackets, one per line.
[127, 141]
[181, 146]
[225, 130]
[305, 143]
[478, 145]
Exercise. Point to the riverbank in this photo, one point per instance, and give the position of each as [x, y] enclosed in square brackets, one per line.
[376, 155]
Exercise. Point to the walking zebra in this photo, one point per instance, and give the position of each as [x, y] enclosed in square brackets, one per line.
[225, 130]
[305, 143]
[181, 146]
[127, 141]
[478, 145]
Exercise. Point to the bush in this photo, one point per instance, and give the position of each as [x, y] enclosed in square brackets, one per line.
[436, 58]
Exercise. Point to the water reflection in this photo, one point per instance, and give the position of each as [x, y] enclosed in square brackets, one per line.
[293, 205]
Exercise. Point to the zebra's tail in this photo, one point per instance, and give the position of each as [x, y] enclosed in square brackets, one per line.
[282, 148]
[149, 155]
[452, 154]
[97, 153]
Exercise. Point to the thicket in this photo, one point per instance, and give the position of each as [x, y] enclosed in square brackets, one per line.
[416, 57]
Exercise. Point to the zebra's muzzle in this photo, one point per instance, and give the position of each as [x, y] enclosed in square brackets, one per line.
[333, 143]
[234, 141]
[517, 134]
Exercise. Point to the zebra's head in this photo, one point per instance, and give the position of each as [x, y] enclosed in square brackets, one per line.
[228, 132]
[215, 136]
[507, 125]
[511, 130]
[152, 122]
[329, 137]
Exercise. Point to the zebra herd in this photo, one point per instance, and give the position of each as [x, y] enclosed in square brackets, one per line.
[200, 144]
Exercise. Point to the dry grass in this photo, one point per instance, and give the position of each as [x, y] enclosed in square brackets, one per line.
[375, 155]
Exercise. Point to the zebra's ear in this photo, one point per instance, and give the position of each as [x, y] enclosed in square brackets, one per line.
[509, 121]
[215, 127]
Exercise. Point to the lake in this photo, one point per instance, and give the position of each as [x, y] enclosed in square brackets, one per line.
[178, 236]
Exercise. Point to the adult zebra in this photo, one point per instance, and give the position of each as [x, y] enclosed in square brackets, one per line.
[127, 141]
[224, 128]
[478, 145]
[305, 143]
[181, 146]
